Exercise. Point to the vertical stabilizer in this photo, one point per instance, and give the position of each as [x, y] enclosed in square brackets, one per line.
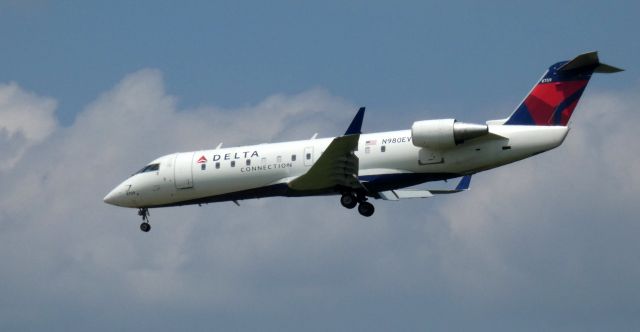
[553, 99]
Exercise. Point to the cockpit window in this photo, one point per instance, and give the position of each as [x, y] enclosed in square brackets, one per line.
[149, 168]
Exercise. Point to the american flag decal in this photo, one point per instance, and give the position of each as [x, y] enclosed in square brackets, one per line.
[371, 142]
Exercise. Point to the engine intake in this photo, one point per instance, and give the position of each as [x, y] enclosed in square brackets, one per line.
[444, 133]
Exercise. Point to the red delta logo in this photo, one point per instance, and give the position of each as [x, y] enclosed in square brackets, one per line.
[202, 159]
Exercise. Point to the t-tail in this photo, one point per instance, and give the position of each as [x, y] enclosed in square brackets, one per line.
[552, 100]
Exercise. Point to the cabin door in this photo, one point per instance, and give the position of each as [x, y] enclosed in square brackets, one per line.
[183, 171]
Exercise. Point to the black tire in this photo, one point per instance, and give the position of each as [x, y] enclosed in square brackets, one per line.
[366, 209]
[145, 227]
[349, 201]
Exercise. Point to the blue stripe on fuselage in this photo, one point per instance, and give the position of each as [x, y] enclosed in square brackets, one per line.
[373, 183]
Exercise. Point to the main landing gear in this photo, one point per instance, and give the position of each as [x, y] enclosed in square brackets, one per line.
[144, 213]
[350, 200]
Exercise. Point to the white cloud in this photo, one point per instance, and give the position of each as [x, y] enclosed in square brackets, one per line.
[52, 211]
[25, 119]
[543, 227]
[526, 232]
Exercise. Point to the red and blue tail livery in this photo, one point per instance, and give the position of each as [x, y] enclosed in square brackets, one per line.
[552, 101]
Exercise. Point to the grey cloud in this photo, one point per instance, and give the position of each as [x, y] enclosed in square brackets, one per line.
[547, 243]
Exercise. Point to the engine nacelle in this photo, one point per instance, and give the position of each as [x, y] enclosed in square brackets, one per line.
[444, 133]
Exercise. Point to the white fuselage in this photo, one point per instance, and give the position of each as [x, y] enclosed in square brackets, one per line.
[265, 169]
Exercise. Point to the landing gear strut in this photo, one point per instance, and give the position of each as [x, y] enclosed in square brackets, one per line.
[144, 213]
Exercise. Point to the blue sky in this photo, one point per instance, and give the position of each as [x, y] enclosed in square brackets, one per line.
[90, 92]
[389, 56]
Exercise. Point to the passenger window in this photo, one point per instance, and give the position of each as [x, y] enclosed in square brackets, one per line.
[218, 165]
[233, 163]
[279, 159]
[203, 166]
[293, 157]
[383, 148]
[367, 149]
[248, 162]
[264, 160]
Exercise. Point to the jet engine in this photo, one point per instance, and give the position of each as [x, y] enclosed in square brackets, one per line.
[444, 133]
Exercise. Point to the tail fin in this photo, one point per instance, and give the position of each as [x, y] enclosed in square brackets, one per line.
[552, 101]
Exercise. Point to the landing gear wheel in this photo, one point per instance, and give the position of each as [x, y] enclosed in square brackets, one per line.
[144, 213]
[366, 209]
[349, 201]
[145, 227]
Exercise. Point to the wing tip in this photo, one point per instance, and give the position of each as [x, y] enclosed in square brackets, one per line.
[464, 183]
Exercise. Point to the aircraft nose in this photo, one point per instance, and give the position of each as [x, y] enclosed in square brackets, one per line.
[115, 196]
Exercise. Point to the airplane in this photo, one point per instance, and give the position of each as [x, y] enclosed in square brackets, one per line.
[358, 166]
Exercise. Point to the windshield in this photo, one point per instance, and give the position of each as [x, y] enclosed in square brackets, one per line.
[148, 168]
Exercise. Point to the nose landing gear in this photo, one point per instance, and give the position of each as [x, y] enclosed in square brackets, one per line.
[144, 213]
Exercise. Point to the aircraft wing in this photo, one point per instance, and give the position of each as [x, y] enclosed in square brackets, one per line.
[338, 165]
[396, 195]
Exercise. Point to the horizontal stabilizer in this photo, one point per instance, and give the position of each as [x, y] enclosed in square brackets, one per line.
[589, 61]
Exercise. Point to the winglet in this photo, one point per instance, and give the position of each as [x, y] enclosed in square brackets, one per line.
[464, 183]
[356, 124]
